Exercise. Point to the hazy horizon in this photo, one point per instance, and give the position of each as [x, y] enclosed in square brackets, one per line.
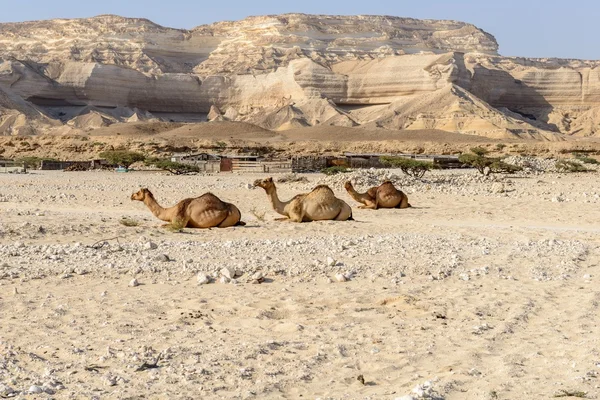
[522, 28]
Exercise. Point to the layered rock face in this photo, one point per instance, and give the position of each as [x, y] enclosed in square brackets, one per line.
[297, 70]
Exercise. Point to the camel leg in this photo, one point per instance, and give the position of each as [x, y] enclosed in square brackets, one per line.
[345, 213]
[232, 218]
[404, 202]
[369, 205]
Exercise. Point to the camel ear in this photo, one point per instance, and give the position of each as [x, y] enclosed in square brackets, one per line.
[269, 179]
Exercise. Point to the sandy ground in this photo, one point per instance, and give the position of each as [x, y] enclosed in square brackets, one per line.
[487, 289]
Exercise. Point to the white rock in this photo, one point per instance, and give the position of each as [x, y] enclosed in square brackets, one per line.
[35, 389]
[330, 262]
[587, 276]
[134, 282]
[224, 279]
[228, 272]
[150, 246]
[340, 277]
[203, 279]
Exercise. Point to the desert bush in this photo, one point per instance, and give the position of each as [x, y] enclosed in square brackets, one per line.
[173, 167]
[288, 178]
[585, 159]
[486, 165]
[334, 170]
[409, 166]
[129, 222]
[479, 151]
[500, 146]
[122, 157]
[260, 215]
[570, 166]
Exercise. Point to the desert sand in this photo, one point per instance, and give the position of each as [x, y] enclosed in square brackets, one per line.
[485, 289]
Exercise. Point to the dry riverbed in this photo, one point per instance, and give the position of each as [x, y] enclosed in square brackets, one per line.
[486, 289]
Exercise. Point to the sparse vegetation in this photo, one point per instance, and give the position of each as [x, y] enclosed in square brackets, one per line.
[173, 167]
[570, 166]
[585, 159]
[176, 225]
[220, 146]
[260, 215]
[409, 166]
[122, 157]
[129, 222]
[500, 146]
[486, 165]
[289, 178]
[334, 170]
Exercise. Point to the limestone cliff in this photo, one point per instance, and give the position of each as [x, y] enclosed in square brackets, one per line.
[295, 70]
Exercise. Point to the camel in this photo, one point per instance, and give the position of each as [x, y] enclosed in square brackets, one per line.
[318, 205]
[383, 196]
[206, 211]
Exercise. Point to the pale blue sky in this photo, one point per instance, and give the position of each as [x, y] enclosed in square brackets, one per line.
[531, 28]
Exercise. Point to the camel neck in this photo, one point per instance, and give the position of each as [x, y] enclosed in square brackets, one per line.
[354, 194]
[278, 205]
[154, 207]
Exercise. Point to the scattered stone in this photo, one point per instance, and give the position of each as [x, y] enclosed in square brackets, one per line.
[134, 282]
[162, 258]
[150, 246]
[203, 279]
[330, 262]
[34, 389]
[228, 272]
[341, 277]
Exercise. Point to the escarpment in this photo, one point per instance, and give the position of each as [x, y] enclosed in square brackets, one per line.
[290, 70]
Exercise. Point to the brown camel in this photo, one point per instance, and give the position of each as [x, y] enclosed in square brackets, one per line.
[206, 211]
[383, 196]
[318, 205]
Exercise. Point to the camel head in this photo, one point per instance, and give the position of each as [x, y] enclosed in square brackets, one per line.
[141, 194]
[266, 183]
[348, 185]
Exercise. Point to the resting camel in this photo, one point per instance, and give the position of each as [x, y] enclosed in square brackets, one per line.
[318, 205]
[382, 196]
[206, 211]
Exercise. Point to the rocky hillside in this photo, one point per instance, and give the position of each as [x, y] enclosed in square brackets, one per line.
[288, 71]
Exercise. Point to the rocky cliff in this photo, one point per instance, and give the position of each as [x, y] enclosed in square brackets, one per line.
[292, 70]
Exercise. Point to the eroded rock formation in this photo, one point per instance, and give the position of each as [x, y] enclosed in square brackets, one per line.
[289, 71]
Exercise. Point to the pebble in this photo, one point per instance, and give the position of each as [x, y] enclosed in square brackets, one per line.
[228, 272]
[162, 258]
[134, 282]
[150, 246]
[224, 279]
[341, 277]
[35, 389]
[330, 262]
[203, 279]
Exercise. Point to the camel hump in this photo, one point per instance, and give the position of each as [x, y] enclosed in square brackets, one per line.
[322, 188]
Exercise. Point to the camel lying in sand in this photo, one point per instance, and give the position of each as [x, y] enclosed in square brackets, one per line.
[318, 205]
[206, 211]
[383, 196]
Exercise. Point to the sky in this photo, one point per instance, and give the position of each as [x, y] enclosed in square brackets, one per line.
[528, 28]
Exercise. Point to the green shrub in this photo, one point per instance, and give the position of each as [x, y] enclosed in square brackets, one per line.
[500, 146]
[409, 166]
[585, 159]
[487, 165]
[570, 166]
[334, 170]
[479, 151]
[122, 157]
[173, 167]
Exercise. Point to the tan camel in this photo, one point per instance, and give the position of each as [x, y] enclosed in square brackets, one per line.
[206, 211]
[383, 196]
[318, 205]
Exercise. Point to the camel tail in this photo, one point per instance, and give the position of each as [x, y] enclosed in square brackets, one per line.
[240, 223]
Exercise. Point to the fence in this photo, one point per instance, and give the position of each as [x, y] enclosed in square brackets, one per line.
[262, 166]
[12, 167]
